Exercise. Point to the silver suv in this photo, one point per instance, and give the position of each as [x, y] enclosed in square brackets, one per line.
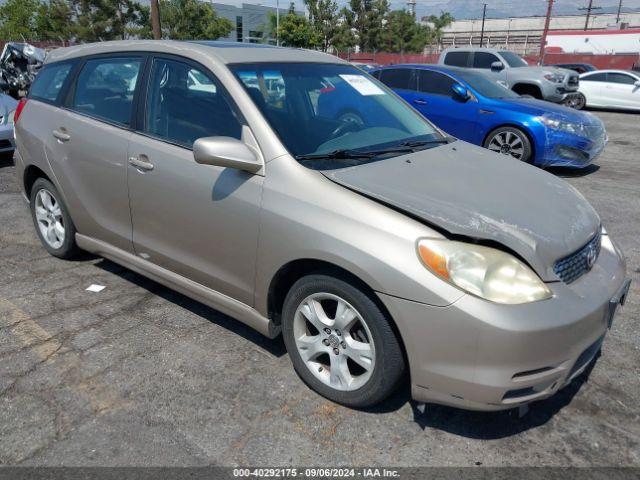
[381, 250]
[554, 84]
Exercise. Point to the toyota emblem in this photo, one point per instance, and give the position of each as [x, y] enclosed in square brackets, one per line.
[591, 256]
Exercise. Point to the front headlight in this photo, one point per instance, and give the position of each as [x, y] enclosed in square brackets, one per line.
[554, 77]
[557, 123]
[482, 271]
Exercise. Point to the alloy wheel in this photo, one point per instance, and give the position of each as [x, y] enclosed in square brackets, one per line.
[507, 143]
[334, 341]
[50, 219]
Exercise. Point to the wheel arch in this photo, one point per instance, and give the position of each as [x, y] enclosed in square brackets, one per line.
[526, 87]
[530, 136]
[29, 177]
[294, 270]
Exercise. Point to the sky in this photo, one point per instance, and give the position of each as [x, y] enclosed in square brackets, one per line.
[465, 9]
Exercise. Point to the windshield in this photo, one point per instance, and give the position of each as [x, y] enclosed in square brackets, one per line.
[513, 60]
[486, 87]
[318, 108]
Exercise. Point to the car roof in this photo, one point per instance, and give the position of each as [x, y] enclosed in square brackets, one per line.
[473, 49]
[224, 52]
[631, 72]
[427, 66]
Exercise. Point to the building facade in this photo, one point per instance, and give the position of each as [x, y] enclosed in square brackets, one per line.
[523, 35]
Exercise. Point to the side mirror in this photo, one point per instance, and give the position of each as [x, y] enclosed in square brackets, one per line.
[226, 152]
[497, 66]
[637, 84]
[460, 92]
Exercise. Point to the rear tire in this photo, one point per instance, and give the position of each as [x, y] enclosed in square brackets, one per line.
[356, 328]
[510, 141]
[52, 220]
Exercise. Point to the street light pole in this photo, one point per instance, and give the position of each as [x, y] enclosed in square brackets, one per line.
[543, 40]
[484, 14]
[155, 20]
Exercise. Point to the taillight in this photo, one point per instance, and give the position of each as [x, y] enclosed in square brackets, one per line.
[19, 108]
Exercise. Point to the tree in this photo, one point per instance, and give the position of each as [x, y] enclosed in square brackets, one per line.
[97, 20]
[54, 21]
[344, 37]
[403, 34]
[192, 20]
[323, 16]
[296, 31]
[18, 20]
[366, 19]
[439, 23]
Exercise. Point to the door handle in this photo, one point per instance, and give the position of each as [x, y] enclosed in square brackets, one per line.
[141, 163]
[61, 135]
[419, 101]
[486, 112]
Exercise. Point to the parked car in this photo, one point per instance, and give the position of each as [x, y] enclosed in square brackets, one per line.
[475, 108]
[381, 252]
[554, 84]
[7, 110]
[576, 67]
[614, 89]
[366, 66]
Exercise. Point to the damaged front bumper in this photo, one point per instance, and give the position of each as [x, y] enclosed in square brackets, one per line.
[479, 355]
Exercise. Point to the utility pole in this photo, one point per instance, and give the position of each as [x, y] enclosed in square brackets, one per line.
[543, 40]
[484, 14]
[155, 20]
[277, 23]
[619, 10]
[589, 8]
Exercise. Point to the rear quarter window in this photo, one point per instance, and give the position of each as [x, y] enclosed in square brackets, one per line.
[49, 81]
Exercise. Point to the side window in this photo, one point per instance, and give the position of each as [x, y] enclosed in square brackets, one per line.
[49, 81]
[434, 82]
[376, 74]
[484, 59]
[596, 77]
[457, 59]
[184, 104]
[105, 87]
[620, 78]
[397, 78]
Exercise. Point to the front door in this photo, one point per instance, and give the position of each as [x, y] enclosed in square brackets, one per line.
[199, 221]
[434, 99]
[622, 91]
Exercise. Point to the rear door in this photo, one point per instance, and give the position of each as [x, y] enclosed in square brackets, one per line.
[88, 140]
[199, 221]
[434, 99]
[621, 90]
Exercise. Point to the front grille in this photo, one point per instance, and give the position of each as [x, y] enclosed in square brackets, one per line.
[573, 266]
[573, 80]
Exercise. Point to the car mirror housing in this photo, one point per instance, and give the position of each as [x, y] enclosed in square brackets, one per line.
[497, 66]
[637, 83]
[226, 152]
[460, 92]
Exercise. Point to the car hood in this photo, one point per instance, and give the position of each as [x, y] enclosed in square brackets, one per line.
[469, 191]
[539, 71]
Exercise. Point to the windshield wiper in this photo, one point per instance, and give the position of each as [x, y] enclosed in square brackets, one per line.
[336, 154]
[424, 143]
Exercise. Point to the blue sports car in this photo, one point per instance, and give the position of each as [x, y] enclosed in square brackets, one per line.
[468, 105]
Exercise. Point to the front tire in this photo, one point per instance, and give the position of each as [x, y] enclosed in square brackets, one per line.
[340, 342]
[52, 220]
[510, 141]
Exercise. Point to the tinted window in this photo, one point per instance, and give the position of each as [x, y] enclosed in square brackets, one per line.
[457, 59]
[596, 77]
[49, 81]
[486, 87]
[105, 87]
[434, 82]
[484, 59]
[397, 78]
[184, 104]
[513, 60]
[621, 78]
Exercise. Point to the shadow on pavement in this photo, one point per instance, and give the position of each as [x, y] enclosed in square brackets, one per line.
[6, 160]
[568, 172]
[274, 347]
